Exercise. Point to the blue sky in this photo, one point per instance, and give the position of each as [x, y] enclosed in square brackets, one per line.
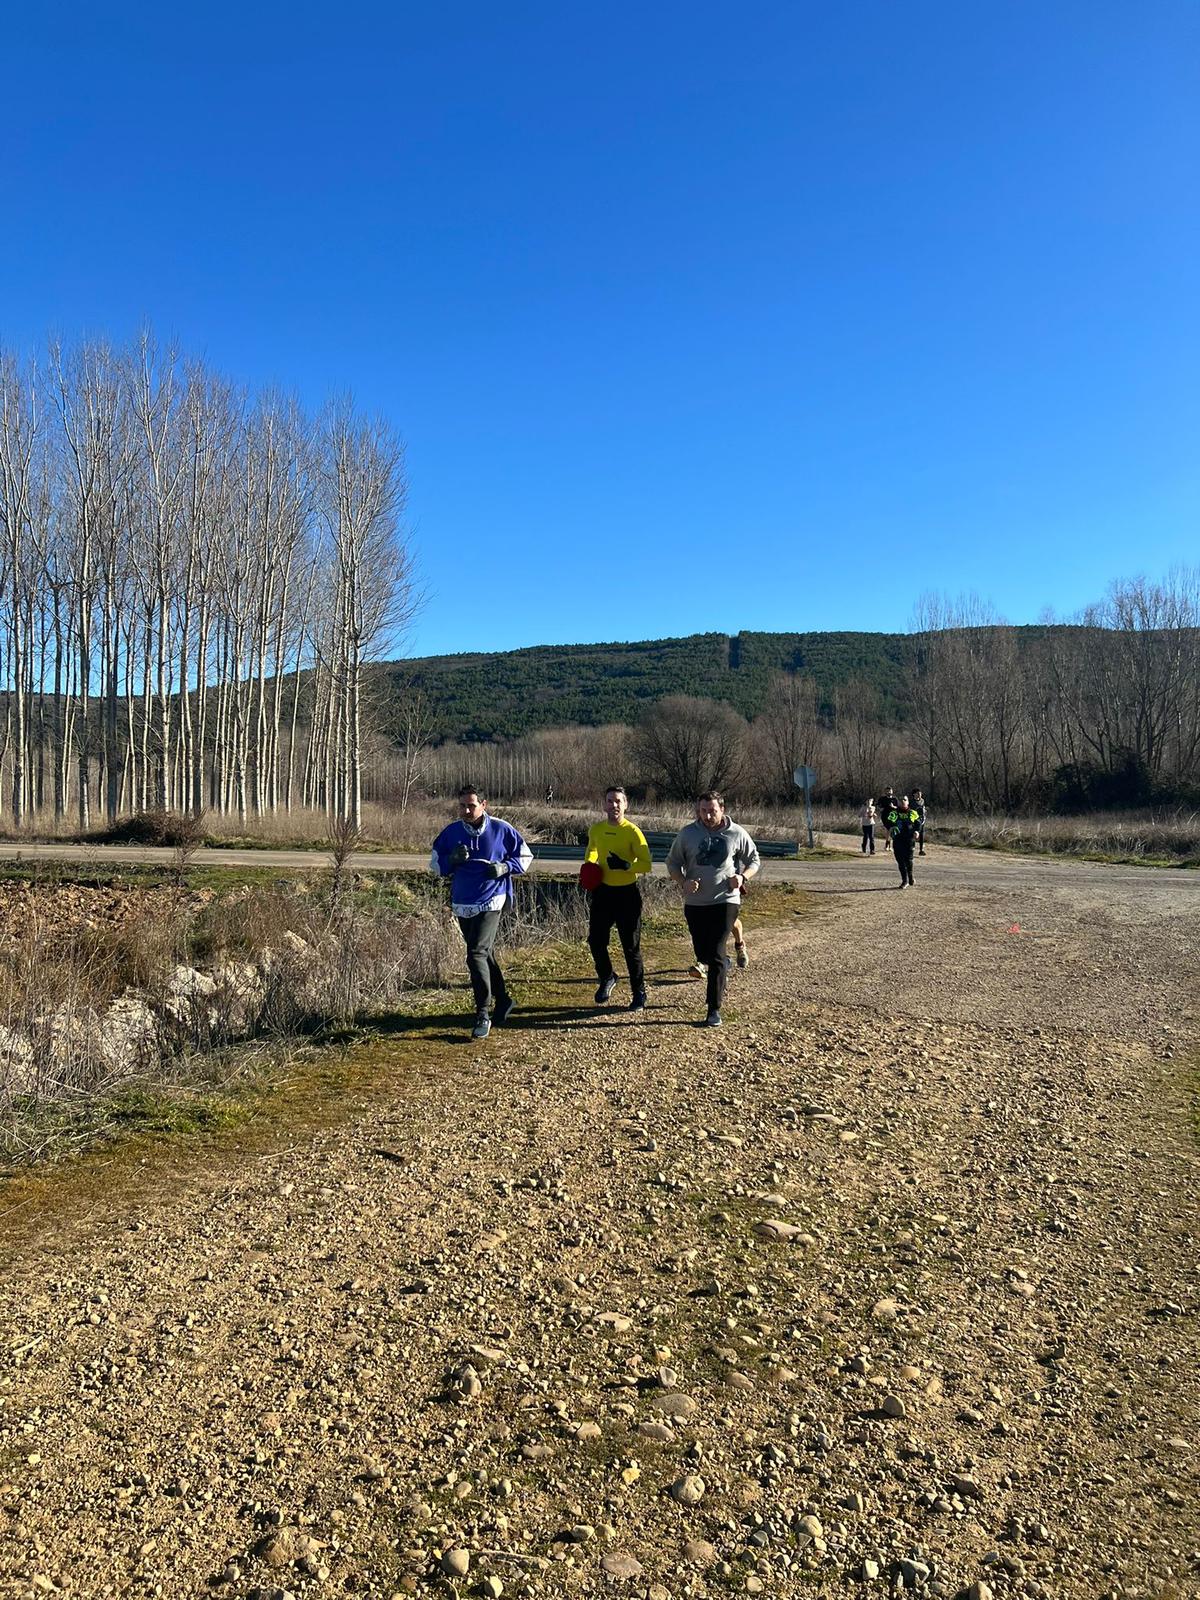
[692, 316]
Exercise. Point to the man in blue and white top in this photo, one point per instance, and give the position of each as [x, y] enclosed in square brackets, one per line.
[479, 854]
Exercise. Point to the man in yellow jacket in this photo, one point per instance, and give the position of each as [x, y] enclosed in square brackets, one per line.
[618, 848]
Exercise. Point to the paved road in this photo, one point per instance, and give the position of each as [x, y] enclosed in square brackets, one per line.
[944, 867]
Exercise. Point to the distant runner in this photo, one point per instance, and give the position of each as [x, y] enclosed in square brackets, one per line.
[711, 860]
[902, 823]
[479, 854]
[919, 807]
[618, 849]
[868, 817]
[888, 803]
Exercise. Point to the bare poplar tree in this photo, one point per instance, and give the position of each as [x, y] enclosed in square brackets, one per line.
[790, 729]
[362, 499]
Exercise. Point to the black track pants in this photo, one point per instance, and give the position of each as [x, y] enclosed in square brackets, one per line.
[710, 927]
[868, 838]
[904, 858]
[479, 935]
[617, 906]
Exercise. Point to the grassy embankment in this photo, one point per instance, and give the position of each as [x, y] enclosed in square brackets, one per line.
[382, 967]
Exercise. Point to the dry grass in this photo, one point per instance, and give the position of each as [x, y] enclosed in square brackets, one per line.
[1136, 836]
[89, 1012]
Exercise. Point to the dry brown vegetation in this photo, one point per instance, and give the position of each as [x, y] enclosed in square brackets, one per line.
[102, 989]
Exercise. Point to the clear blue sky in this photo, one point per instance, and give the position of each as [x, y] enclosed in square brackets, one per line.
[693, 316]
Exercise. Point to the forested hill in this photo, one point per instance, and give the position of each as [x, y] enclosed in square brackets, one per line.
[513, 692]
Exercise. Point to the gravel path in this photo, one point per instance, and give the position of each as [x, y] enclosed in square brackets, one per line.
[889, 1286]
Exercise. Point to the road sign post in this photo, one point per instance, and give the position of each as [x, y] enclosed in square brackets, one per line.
[805, 778]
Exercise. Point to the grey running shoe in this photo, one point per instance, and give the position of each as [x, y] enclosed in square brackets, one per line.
[483, 1026]
[505, 1007]
[712, 1020]
[638, 1003]
[697, 970]
[605, 992]
[743, 957]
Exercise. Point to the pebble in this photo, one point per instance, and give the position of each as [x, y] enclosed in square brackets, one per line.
[456, 1563]
[893, 1406]
[620, 1564]
[657, 1431]
[676, 1405]
[688, 1490]
[979, 1591]
[700, 1552]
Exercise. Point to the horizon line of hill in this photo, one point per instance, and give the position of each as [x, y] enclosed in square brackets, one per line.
[473, 696]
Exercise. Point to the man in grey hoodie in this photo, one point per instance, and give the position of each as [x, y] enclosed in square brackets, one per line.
[711, 860]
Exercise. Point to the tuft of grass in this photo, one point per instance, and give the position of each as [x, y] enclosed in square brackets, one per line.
[1129, 838]
[146, 1108]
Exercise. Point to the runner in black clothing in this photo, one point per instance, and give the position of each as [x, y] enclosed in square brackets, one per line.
[919, 808]
[901, 822]
[888, 803]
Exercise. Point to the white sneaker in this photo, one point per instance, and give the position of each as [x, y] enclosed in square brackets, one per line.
[697, 970]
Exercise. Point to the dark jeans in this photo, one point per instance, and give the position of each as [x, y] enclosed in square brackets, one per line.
[710, 927]
[619, 906]
[479, 935]
[904, 858]
[868, 838]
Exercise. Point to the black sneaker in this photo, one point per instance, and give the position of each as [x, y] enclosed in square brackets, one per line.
[483, 1026]
[505, 1007]
[605, 992]
[712, 1020]
[638, 1003]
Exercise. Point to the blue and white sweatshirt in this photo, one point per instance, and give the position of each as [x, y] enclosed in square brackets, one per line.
[472, 889]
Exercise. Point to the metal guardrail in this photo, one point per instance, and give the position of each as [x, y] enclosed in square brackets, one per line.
[660, 844]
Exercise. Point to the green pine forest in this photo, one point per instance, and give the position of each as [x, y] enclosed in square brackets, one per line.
[514, 692]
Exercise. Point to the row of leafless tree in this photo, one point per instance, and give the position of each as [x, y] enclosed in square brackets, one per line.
[191, 580]
[680, 747]
[1104, 711]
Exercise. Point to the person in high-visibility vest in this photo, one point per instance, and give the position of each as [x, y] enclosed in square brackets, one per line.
[902, 822]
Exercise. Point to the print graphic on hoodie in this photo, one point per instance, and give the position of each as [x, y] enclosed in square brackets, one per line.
[714, 851]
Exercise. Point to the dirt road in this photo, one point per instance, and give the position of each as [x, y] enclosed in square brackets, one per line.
[891, 1285]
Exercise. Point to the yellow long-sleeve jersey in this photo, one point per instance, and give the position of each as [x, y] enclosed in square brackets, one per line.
[624, 839]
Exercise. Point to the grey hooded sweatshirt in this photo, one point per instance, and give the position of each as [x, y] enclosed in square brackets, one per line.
[714, 856]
